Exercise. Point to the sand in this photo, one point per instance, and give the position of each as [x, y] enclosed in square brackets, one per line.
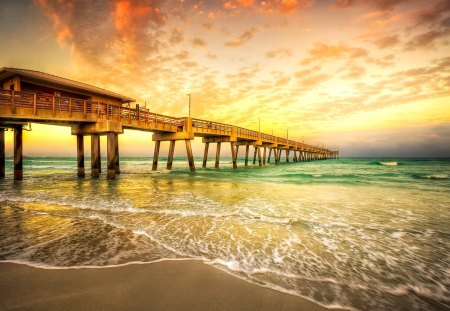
[168, 285]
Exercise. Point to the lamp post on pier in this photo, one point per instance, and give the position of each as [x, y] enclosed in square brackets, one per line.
[189, 94]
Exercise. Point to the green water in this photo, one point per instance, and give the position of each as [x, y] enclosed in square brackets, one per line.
[366, 234]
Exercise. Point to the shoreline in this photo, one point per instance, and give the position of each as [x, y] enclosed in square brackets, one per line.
[162, 285]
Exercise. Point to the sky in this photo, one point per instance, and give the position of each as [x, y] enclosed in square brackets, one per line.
[369, 77]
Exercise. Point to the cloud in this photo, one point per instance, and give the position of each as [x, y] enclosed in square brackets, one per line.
[198, 42]
[324, 51]
[428, 39]
[279, 53]
[269, 6]
[107, 33]
[387, 41]
[243, 38]
[379, 4]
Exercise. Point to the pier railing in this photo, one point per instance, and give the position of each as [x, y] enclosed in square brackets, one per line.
[50, 106]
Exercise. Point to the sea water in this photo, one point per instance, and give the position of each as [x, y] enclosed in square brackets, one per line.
[364, 234]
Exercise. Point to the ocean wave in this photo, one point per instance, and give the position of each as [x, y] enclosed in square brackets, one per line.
[431, 176]
[390, 163]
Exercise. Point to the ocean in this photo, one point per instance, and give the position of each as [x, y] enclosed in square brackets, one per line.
[358, 233]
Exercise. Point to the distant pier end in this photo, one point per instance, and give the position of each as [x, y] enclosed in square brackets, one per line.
[32, 96]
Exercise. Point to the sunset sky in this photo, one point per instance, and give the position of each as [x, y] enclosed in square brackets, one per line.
[371, 77]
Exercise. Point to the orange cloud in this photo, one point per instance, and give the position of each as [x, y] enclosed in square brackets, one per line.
[269, 6]
[323, 51]
[243, 38]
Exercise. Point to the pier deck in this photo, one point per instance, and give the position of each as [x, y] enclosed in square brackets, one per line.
[87, 116]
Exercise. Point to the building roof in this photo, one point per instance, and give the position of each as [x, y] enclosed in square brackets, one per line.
[34, 75]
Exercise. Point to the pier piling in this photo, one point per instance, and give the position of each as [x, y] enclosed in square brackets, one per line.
[216, 165]
[247, 147]
[2, 153]
[205, 155]
[190, 155]
[80, 156]
[95, 155]
[116, 156]
[156, 155]
[170, 157]
[18, 157]
[233, 154]
[111, 155]
[254, 155]
[264, 156]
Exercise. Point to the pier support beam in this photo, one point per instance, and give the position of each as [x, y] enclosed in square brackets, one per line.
[264, 156]
[247, 147]
[116, 158]
[275, 155]
[287, 155]
[254, 155]
[156, 155]
[2, 153]
[99, 156]
[95, 155]
[190, 155]
[233, 154]
[259, 156]
[170, 157]
[216, 165]
[80, 156]
[279, 155]
[18, 150]
[111, 155]
[205, 155]
[270, 152]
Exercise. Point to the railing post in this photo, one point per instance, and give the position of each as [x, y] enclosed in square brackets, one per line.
[84, 108]
[53, 105]
[34, 104]
[70, 107]
[13, 98]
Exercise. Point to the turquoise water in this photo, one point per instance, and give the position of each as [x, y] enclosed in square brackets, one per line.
[359, 233]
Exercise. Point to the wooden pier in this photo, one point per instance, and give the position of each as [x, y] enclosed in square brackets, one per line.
[34, 97]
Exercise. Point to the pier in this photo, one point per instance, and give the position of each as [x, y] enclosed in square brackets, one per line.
[29, 96]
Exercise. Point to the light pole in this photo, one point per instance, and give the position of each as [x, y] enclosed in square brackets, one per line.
[259, 124]
[189, 94]
[287, 134]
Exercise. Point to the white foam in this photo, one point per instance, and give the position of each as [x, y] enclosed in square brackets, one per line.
[389, 163]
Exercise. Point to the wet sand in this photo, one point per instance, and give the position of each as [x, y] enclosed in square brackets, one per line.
[169, 285]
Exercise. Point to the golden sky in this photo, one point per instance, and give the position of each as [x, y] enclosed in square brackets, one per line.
[369, 76]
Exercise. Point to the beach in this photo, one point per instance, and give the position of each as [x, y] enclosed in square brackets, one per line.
[168, 285]
[354, 233]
